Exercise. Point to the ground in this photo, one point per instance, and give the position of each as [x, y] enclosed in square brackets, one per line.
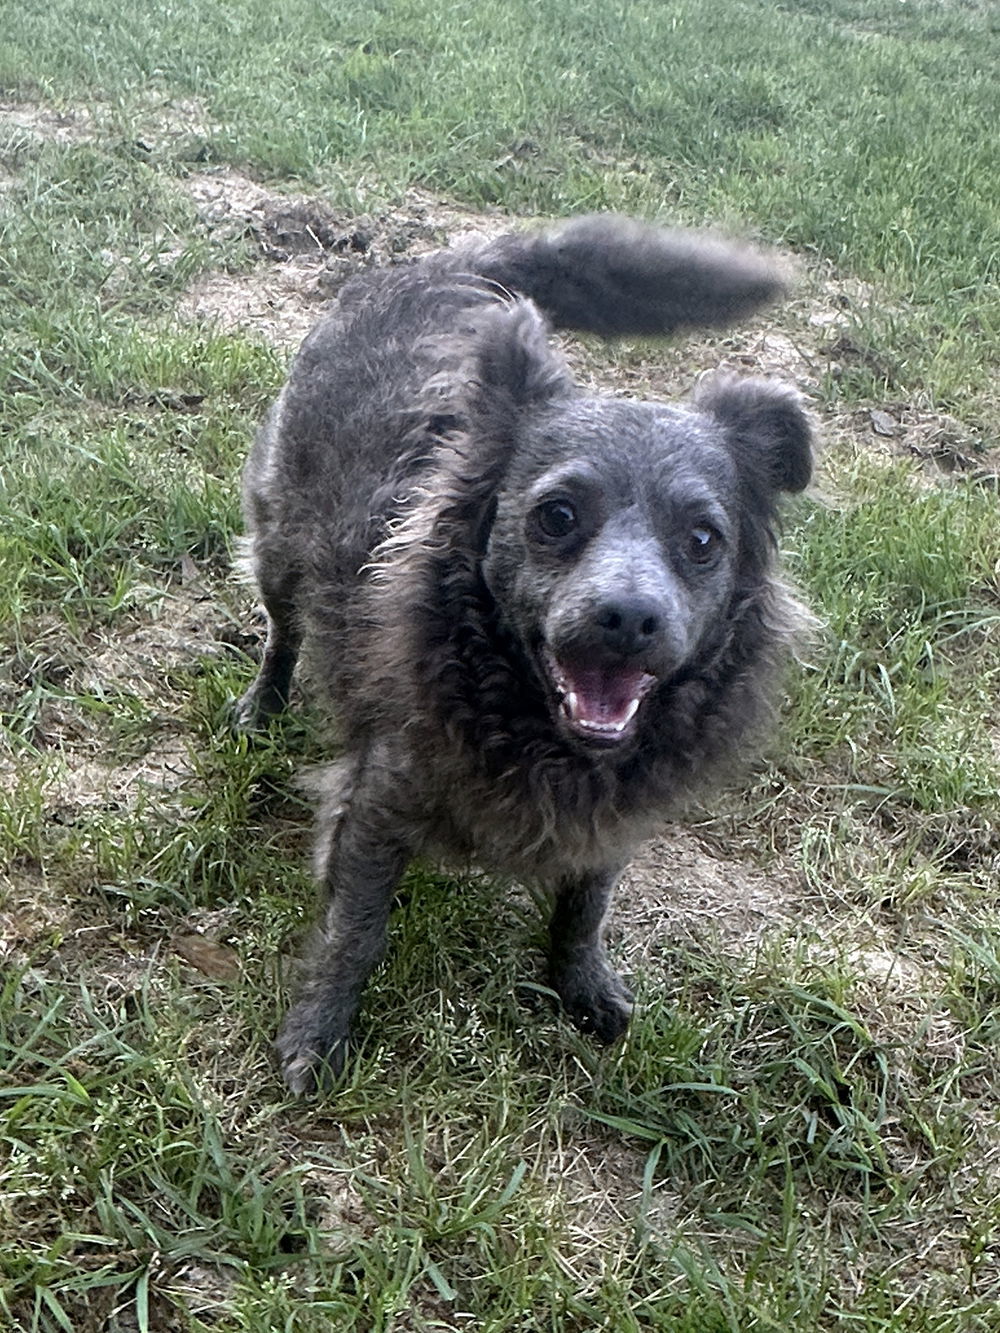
[737, 920]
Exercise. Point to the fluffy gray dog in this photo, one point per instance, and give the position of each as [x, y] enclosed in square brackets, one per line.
[542, 616]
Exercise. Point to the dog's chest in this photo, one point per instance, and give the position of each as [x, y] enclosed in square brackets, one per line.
[531, 828]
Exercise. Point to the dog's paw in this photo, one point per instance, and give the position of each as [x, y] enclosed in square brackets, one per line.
[255, 709]
[595, 999]
[310, 1061]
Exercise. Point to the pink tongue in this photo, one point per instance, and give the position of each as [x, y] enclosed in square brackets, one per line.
[602, 697]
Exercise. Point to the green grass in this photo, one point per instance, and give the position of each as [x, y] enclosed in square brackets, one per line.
[842, 130]
[799, 1133]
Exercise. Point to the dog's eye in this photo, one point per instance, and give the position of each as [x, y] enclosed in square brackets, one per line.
[556, 518]
[704, 544]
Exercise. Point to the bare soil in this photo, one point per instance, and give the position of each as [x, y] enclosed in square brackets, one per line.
[308, 251]
[34, 120]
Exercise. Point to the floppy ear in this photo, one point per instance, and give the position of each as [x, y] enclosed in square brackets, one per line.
[767, 425]
[497, 365]
[513, 362]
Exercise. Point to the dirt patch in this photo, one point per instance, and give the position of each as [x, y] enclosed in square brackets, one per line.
[180, 127]
[226, 199]
[96, 684]
[290, 224]
[45, 124]
[203, 1292]
[278, 307]
[679, 893]
[181, 625]
[168, 629]
[32, 910]
[676, 891]
[936, 439]
[277, 303]
[312, 247]
[597, 1180]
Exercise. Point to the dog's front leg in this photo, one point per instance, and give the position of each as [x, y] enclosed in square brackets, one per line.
[268, 695]
[361, 864]
[593, 995]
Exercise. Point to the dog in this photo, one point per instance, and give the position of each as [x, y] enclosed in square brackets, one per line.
[543, 617]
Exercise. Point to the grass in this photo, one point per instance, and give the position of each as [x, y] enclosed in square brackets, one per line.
[800, 1132]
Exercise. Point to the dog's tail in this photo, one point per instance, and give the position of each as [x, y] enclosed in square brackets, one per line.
[618, 277]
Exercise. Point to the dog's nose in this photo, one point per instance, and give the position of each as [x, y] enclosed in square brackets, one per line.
[629, 626]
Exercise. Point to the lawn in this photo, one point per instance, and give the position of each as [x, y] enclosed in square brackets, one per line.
[802, 1130]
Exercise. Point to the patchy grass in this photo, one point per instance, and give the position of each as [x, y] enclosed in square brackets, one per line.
[801, 1130]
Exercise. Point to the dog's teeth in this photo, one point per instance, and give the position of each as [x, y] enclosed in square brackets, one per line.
[608, 728]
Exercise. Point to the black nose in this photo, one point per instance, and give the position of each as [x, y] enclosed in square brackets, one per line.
[629, 626]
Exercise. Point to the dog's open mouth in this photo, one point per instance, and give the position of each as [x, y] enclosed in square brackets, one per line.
[600, 703]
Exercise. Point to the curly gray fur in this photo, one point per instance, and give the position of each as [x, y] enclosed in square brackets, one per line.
[543, 617]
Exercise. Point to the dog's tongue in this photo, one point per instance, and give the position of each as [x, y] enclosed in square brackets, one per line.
[603, 699]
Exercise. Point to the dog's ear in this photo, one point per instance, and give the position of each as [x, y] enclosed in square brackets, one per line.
[514, 364]
[497, 366]
[767, 425]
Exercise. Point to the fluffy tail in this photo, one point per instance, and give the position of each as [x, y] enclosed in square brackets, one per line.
[615, 276]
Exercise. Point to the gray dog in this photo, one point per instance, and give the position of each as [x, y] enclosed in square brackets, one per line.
[543, 616]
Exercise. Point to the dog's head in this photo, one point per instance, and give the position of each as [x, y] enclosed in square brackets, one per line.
[625, 546]
[628, 539]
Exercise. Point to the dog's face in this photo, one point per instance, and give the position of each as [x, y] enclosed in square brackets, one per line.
[625, 540]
